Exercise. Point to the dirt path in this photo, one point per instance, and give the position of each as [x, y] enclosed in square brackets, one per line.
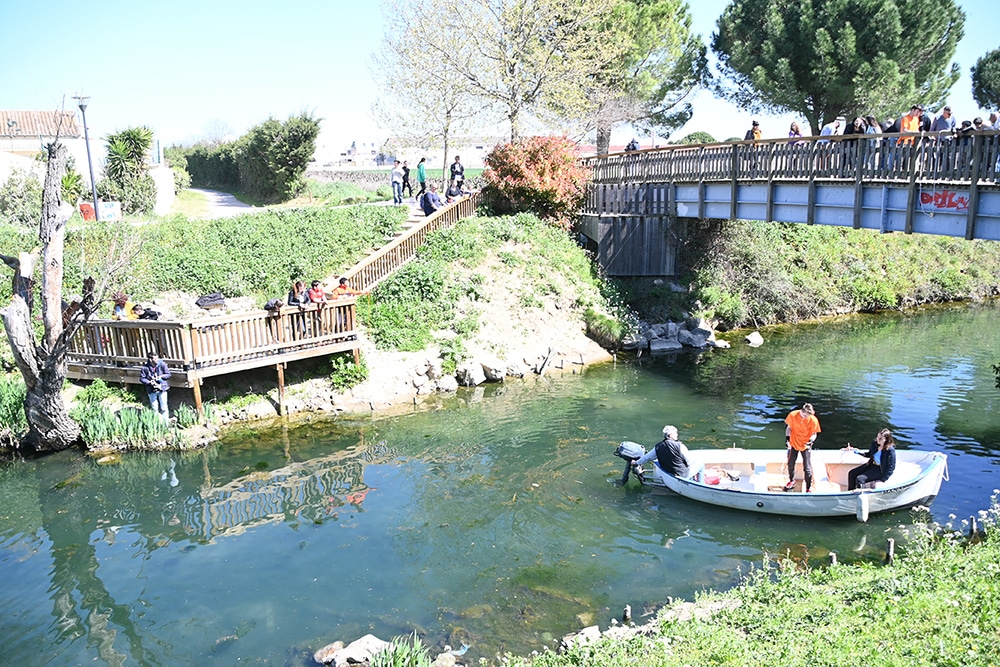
[223, 204]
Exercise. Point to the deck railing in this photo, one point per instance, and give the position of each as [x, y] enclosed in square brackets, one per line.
[383, 262]
[867, 157]
[203, 347]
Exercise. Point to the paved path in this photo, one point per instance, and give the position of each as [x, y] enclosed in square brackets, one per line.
[223, 204]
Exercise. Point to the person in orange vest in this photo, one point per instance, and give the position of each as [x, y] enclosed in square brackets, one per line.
[343, 289]
[910, 123]
[801, 428]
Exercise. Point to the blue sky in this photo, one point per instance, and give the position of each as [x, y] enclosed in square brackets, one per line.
[187, 69]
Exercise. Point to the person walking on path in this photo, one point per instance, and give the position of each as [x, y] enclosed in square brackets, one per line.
[155, 375]
[458, 171]
[406, 180]
[421, 178]
[396, 179]
[801, 428]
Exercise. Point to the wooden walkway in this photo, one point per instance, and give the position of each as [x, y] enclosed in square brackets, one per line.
[198, 348]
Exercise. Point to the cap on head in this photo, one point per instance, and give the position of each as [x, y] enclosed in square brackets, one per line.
[808, 409]
[755, 123]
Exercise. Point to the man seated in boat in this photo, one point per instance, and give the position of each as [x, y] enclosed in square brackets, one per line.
[881, 462]
[670, 453]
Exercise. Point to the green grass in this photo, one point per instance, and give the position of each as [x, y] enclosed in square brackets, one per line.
[936, 604]
[190, 204]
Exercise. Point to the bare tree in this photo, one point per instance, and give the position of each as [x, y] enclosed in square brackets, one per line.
[419, 103]
[518, 58]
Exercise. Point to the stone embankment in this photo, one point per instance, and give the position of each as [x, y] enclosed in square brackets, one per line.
[670, 337]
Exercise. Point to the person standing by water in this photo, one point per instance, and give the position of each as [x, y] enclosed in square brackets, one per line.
[881, 462]
[155, 375]
[801, 428]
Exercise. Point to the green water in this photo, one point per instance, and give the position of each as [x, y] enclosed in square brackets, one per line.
[490, 519]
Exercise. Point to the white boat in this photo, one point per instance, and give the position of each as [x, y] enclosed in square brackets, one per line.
[754, 480]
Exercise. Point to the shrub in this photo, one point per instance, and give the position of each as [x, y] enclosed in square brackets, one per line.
[137, 194]
[606, 331]
[13, 423]
[272, 157]
[21, 199]
[539, 174]
[212, 166]
[186, 416]
[98, 390]
[403, 652]
[345, 373]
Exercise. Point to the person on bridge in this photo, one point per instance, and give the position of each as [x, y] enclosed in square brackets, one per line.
[801, 428]
[753, 134]
[794, 131]
[343, 289]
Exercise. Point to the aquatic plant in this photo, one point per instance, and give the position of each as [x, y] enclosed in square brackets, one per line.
[403, 652]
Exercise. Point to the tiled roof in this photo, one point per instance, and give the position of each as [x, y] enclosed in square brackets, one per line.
[43, 123]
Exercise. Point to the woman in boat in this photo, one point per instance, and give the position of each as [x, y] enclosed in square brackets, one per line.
[880, 465]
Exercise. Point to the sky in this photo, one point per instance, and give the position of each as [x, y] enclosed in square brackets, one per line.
[194, 70]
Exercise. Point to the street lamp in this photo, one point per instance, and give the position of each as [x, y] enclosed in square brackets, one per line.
[81, 102]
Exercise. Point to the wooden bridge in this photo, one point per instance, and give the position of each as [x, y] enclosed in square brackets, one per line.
[912, 183]
[203, 347]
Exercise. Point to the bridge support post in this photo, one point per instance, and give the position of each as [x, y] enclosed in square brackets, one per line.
[735, 166]
[858, 189]
[196, 389]
[281, 388]
[977, 161]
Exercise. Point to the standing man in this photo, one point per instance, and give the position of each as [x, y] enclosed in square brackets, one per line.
[396, 179]
[155, 375]
[670, 454]
[945, 122]
[406, 180]
[421, 179]
[800, 434]
[458, 171]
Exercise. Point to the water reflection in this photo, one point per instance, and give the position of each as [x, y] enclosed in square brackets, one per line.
[494, 521]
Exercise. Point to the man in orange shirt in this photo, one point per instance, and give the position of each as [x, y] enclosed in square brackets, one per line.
[800, 434]
[910, 123]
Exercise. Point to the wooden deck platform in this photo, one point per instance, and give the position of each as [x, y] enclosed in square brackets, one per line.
[195, 349]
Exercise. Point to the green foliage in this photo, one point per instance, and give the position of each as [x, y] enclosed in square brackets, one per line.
[137, 195]
[938, 598]
[13, 422]
[345, 373]
[186, 416]
[758, 273]
[273, 156]
[605, 330]
[98, 390]
[338, 194]
[21, 199]
[176, 159]
[986, 80]
[540, 175]
[698, 138]
[822, 59]
[126, 178]
[212, 166]
[130, 427]
[72, 185]
[260, 254]
[403, 652]
[237, 402]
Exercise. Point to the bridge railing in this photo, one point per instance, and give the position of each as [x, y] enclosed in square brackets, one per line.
[889, 157]
[380, 264]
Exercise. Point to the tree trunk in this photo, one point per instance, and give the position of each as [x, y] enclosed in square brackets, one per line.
[603, 138]
[43, 367]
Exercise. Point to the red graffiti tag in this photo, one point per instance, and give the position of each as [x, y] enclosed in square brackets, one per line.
[945, 199]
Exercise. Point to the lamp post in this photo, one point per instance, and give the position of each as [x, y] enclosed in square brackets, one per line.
[81, 102]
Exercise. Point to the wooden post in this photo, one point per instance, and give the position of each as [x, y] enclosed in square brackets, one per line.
[890, 552]
[973, 527]
[833, 559]
[281, 389]
[858, 188]
[196, 389]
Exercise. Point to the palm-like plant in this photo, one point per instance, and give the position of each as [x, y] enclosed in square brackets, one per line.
[127, 153]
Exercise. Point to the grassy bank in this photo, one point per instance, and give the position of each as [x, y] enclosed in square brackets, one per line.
[936, 604]
[752, 273]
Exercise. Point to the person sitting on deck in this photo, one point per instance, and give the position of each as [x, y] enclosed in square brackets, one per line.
[670, 453]
[124, 308]
[144, 313]
[453, 192]
[881, 462]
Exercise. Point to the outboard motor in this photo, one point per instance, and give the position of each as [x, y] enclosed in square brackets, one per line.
[631, 452]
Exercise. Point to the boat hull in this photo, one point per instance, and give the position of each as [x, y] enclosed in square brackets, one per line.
[756, 478]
